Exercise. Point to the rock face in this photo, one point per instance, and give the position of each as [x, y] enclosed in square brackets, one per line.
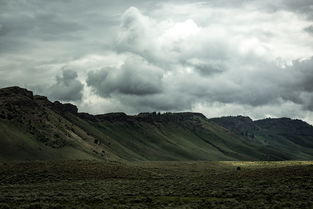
[118, 116]
[42, 100]
[142, 117]
[286, 126]
[15, 91]
[167, 117]
[33, 114]
[63, 108]
[32, 127]
[87, 117]
[15, 97]
[241, 125]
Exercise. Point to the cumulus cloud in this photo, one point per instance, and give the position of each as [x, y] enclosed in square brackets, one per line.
[226, 63]
[134, 77]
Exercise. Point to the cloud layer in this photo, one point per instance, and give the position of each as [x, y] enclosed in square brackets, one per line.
[217, 57]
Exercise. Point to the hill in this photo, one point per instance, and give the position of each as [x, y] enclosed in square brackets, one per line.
[34, 128]
[293, 139]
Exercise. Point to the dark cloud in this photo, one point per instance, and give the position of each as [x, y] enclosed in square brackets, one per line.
[207, 69]
[35, 24]
[183, 91]
[169, 101]
[304, 68]
[300, 7]
[135, 77]
[299, 87]
[309, 29]
[292, 83]
[66, 88]
[304, 6]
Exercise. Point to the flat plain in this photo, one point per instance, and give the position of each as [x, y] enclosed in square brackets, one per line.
[189, 184]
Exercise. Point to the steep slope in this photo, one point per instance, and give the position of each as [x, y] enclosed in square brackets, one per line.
[240, 125]
[31, 127]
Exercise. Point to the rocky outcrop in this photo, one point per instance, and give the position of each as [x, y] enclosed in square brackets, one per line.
[117, 116]
[168, 117]
[87, 116]
[241, 125]
[14, 90]
[63, 108]
[286, 126]
[23, 97]
[42, 100]
[13, 98]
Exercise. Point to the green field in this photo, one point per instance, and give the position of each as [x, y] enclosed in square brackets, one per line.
[188, 184]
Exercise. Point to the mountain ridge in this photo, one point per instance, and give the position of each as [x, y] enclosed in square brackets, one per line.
[32, 127]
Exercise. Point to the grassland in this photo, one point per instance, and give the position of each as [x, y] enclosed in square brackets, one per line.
[189, 184]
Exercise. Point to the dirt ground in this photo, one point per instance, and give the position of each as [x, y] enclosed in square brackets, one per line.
[93, 184]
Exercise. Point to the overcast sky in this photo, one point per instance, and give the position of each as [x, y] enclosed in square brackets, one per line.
[217, 57]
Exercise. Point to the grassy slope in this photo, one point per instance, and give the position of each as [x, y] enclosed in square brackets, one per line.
[278, 139]
[198, 139]
[185, 140]
[288, 149]
[292, 138]
[30, 130]
[34, 128]
[16, 144]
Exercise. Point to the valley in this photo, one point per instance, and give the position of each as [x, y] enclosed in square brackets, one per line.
[52, 156]
[188, 184]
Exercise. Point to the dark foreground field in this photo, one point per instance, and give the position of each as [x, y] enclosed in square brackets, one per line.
[92, 184]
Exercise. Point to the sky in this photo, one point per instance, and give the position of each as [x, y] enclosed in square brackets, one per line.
[216, 57]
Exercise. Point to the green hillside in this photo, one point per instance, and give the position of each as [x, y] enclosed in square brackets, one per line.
[180, 136]
[33, 128]
[287, 138]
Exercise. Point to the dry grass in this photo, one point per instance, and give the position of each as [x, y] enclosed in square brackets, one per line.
[92, 184]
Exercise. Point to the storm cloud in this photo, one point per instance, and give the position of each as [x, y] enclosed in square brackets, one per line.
[134, 77]
[67, 87]
[217, 57]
